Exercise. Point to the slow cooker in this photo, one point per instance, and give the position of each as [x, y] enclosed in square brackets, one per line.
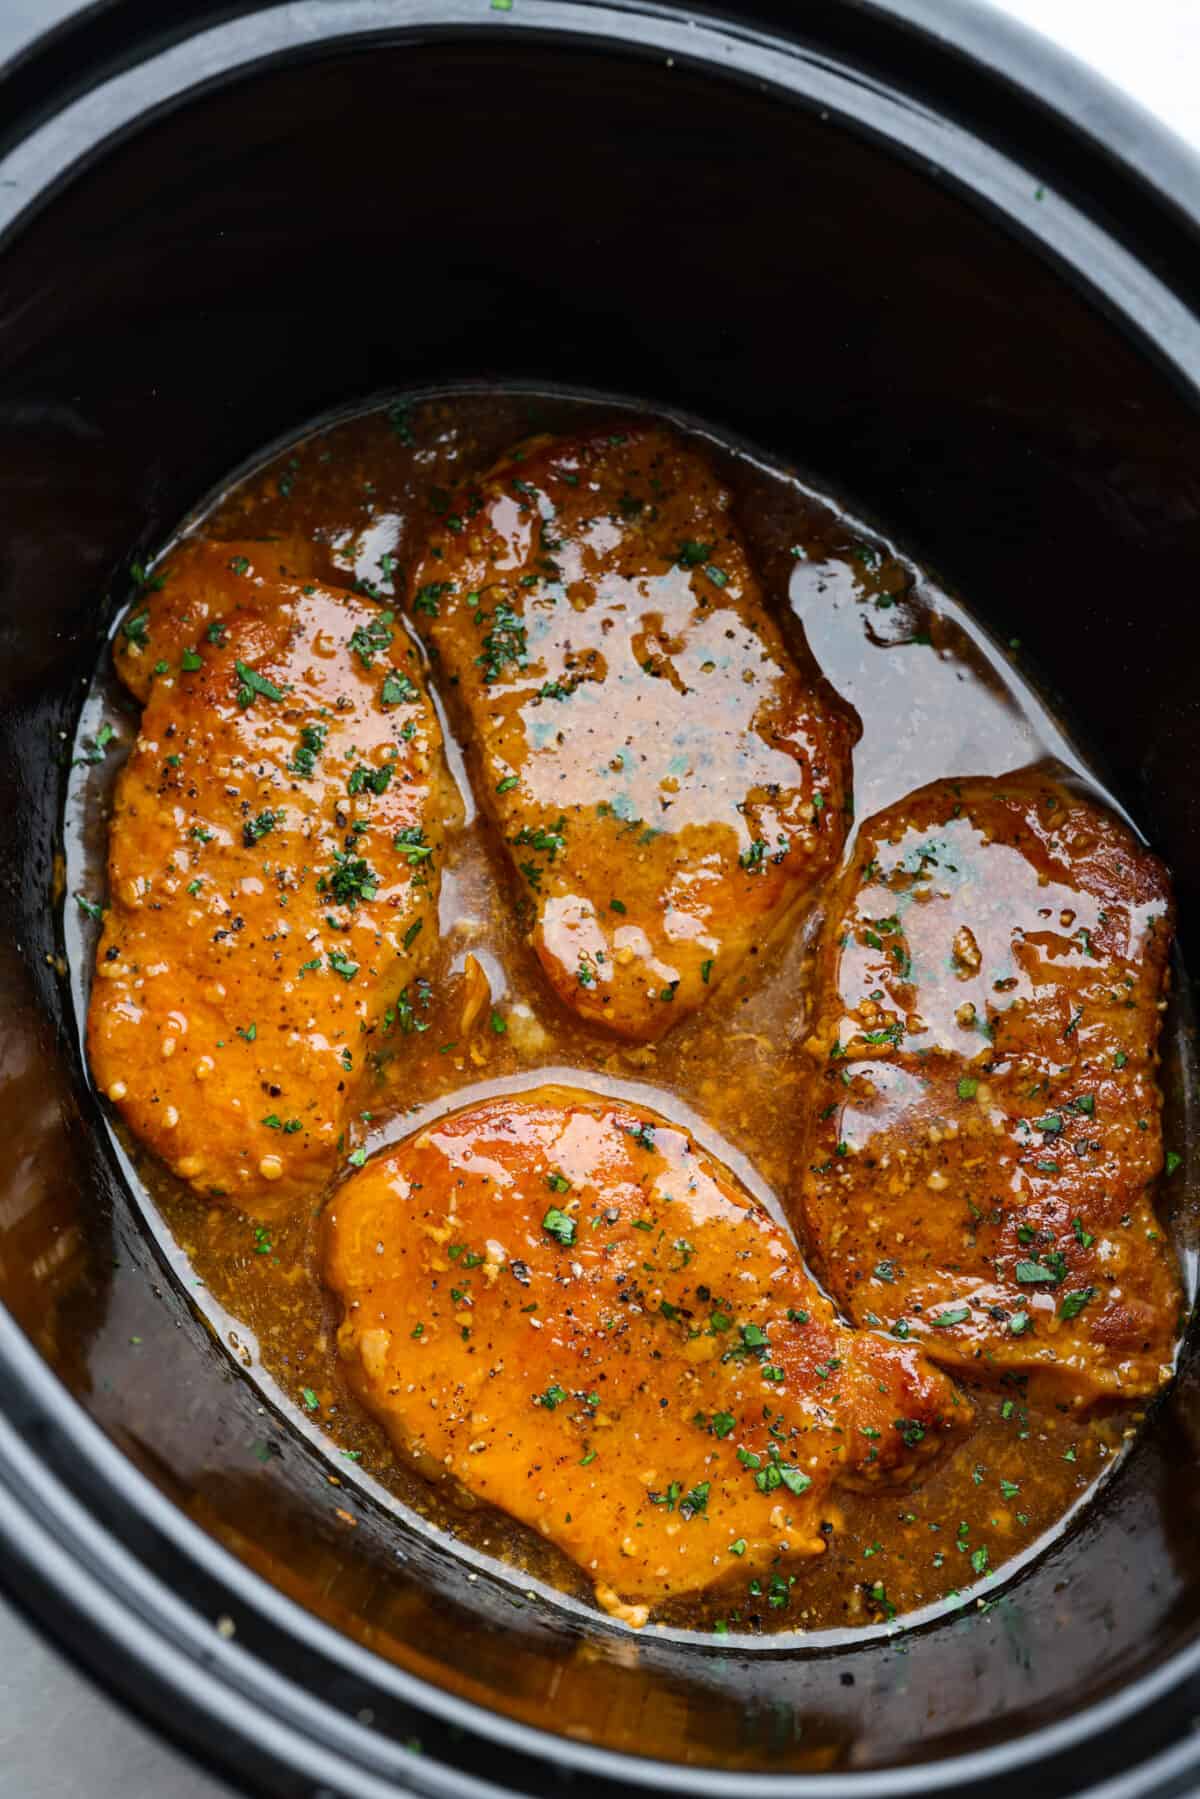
[894, 241]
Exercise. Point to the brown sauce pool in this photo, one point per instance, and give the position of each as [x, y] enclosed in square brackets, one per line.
[937, 696]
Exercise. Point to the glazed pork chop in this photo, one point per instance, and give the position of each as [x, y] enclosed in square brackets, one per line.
[273, 871]
[561, 1302]
[985, 1131]
[669, 780]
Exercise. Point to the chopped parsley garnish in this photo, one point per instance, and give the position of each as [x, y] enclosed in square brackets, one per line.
[412, 845]
[304, 756]
[560, 1226]
[369, 640]
[397, 690]
[504, 645]
[251, 683]
[1051, 1269]
[548, 842]
[350, 880]
[342, 965]
[1073, 1303]
[100, 743]
[427, 597]
[370, 780]
[695, 1503]
[256, 828]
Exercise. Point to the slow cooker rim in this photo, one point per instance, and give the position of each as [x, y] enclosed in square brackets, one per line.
[36, 1407]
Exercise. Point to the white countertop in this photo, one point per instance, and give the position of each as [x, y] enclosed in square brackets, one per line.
[1148, 48]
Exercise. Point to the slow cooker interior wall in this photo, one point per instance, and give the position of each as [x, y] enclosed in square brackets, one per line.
[321, 231]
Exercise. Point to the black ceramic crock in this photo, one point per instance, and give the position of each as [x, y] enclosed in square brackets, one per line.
[899, 243]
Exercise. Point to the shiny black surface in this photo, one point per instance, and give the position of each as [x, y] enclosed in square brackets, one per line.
[713, 223]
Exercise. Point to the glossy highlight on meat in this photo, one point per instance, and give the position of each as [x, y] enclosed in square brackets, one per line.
[563, 1303]
[273, 871]
[670, 778]
[985, 1131]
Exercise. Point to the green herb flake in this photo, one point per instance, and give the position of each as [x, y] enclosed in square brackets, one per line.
[1051, 1270]
[397, 690]
[137, 629]
[560, 1226]
[251, 683]
[369, 640]
[1073, 1303]
[256, 828]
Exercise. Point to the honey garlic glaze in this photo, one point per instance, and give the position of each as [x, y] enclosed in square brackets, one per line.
[354, 505]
